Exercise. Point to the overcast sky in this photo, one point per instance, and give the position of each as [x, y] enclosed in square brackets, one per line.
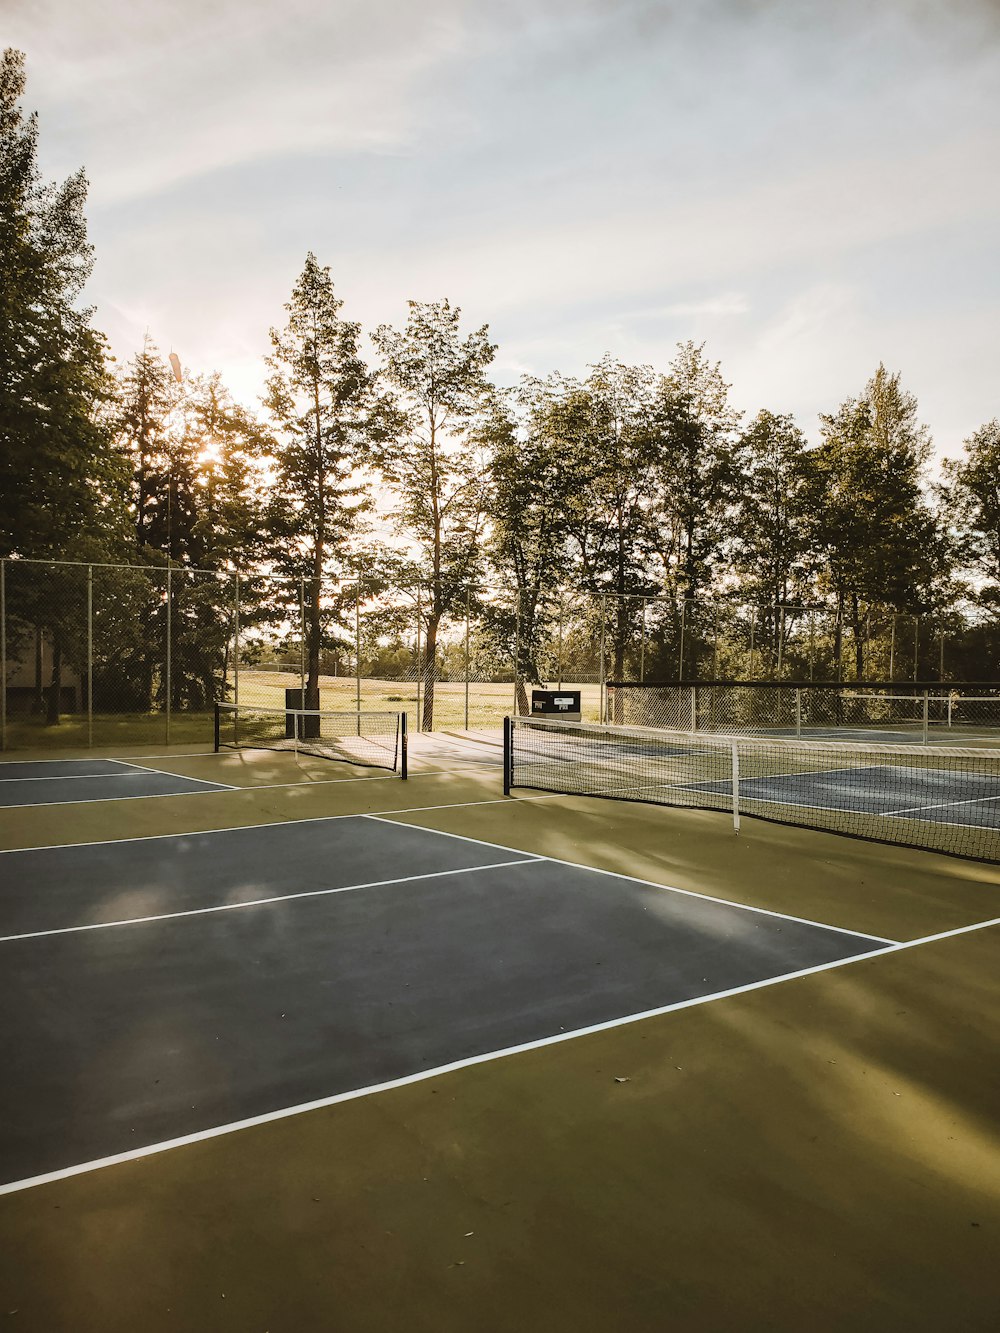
[807, 186]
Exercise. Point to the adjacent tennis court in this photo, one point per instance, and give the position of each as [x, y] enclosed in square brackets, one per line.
[941, 799]
[422, 1037]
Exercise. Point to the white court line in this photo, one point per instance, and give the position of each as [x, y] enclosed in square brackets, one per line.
[147, 796]
[667, 888]
[217, 1131]
[271, 823]
[944, 805]
[527, 858]
[140, 772]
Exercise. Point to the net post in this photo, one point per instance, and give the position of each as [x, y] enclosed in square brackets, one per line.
[736, 788]
[798, 712]
[402, 746]
[508, 754]
[926, 718]
[218, 728]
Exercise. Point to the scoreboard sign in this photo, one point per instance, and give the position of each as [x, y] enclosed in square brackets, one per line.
[556, 703]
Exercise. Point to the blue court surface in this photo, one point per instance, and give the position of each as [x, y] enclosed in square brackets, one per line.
[163, 987]
[61, 781]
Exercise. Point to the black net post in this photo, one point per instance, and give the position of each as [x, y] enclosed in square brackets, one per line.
[508, 754]
[218, 729]
[402, 745]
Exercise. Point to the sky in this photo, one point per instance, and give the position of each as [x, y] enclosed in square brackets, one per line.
[807, 187]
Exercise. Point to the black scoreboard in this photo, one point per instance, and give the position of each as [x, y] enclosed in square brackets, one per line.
[556, 703]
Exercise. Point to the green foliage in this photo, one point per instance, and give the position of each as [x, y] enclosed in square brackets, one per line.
[870, 523]
[62, 482]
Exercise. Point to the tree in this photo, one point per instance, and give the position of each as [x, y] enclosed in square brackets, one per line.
[869, 519]
[62, 486]
[696, 473]
[144, 399]
[771, 559]
[61, 478]
[603, 425]
[969, 499]
[327, 413]
[531, 486]
[434, 466]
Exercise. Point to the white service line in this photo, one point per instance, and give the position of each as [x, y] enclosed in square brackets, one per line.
[667, 888]
[526, 859]
[271, 823]
[147, 796]
[217, 1131]
[108, 777]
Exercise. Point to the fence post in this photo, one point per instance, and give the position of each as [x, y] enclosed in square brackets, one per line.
[694, 707]
[753, 625]
[357, 655]
[169, 665]
[468, 596]
[419, 667]
[916, 646]
[926, 713]
[642, 642]
[941, 662]
[736, 788]
[302, 640]
[680, 655]
[517, 644]
[798, 713]
[559, 664]
[892, 648]
[90, 656]
[3, 654]
[604, 623]
[236, 648]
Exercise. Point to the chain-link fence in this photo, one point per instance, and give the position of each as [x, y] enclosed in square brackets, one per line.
[931, 713]
[99, 654]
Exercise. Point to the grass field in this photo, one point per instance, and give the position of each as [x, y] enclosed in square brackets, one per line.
[488, 704]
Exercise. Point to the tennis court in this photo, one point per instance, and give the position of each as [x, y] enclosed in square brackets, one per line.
[299, 1045]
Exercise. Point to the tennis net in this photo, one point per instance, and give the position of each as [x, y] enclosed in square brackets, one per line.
[372, 739]
[941, 799]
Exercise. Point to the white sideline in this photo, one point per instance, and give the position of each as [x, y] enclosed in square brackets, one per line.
[200, 1136]
[667, 888]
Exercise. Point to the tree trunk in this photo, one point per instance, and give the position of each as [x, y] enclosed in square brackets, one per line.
[55, 688]
[430, 658]
[859, 642]
[38, 705]
[310, 727]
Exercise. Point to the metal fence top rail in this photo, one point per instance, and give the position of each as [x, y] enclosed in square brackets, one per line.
[804, 684]
[668, 737]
